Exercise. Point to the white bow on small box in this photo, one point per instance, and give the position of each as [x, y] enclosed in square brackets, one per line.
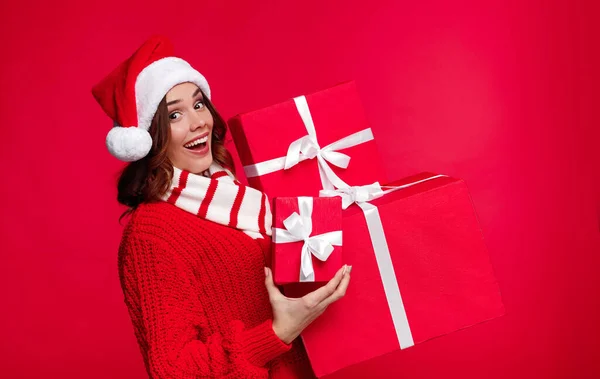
[298, 228]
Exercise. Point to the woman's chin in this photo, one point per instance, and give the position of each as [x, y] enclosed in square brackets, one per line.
[202, 165]
[196, 166]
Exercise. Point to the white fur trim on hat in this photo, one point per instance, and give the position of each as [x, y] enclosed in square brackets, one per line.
[153, 83]
[128, 144]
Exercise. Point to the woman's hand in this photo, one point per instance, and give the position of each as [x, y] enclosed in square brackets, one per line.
[291, 316]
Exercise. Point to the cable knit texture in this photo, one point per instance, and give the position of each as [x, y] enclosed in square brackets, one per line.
[197, 300]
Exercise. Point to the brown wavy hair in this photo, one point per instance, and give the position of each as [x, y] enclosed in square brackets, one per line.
[148, 179]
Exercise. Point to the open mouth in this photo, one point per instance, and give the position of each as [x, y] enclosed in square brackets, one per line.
[198, 144]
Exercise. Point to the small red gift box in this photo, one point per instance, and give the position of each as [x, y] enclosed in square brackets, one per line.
[420, 270]
[307, 239]
[315, 141]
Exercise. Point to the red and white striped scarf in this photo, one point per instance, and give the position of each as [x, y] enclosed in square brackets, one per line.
[222, 199]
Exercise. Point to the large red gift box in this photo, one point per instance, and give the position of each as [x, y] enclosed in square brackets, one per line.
[319, 219]
[330, 126]
[431, 275]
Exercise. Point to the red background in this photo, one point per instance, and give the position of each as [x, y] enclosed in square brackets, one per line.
[502, 95]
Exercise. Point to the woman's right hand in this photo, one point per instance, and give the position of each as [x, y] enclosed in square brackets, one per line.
[291, 316]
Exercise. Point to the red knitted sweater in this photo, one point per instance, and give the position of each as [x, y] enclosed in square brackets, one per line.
[197, 300]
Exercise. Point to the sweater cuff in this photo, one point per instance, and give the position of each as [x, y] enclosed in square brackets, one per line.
[262, 345]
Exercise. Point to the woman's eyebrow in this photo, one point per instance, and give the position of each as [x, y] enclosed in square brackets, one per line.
[179, 100]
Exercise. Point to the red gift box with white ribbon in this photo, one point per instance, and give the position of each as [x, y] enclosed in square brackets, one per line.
[306, 239]
[420, 270]
[313, 142]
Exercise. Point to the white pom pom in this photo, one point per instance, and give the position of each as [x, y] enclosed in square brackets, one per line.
[128, 144]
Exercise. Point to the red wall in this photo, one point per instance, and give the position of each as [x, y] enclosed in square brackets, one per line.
[501, 95]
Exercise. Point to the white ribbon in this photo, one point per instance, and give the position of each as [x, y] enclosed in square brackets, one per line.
[361, 195]
[308, 147]
[298, 227]
[356, 194]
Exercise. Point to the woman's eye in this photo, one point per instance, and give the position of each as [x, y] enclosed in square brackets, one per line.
[199, 105]
[174, 116]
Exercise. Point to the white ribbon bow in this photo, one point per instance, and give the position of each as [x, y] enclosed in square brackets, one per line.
[308, 147]
[298, 227]
[356, 194]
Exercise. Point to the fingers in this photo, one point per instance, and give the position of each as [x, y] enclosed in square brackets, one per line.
[272, 289]
[340, 291]
[316, 297]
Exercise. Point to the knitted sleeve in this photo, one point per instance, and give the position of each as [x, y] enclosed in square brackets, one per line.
[170, 327]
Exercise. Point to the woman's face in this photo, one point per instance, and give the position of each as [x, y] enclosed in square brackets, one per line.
[191, 126]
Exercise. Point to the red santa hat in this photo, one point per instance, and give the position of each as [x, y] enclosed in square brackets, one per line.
[130, 95]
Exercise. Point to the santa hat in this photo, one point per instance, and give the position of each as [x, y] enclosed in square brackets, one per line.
[130, 95]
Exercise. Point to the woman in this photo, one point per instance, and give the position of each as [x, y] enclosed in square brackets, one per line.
[193, 254]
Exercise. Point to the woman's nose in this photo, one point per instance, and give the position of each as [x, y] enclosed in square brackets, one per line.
[197, 122]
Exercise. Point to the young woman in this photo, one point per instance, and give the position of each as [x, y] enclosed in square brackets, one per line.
[194, 252]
